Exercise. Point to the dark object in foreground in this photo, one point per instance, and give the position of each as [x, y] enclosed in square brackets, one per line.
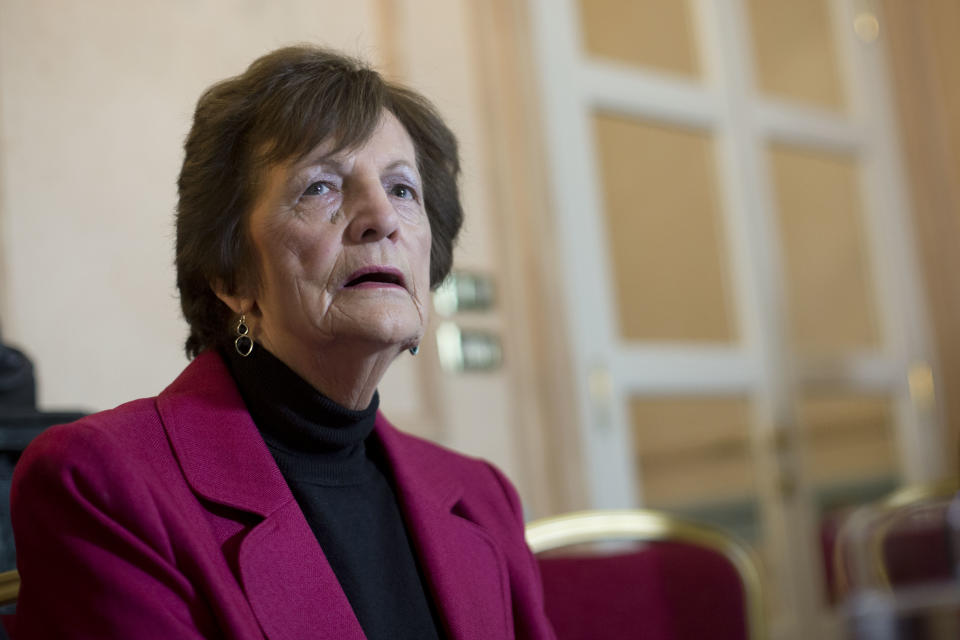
[20, 423]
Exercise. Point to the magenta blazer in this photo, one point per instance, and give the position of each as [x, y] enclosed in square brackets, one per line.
[168, 518]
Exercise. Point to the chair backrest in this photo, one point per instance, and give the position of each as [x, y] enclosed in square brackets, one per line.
[908, 538]
[670, 577]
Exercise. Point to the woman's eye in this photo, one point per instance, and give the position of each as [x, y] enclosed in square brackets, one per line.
[402, 191]
[317, 189]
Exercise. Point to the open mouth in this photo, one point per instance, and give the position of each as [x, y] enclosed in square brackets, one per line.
[375, 277]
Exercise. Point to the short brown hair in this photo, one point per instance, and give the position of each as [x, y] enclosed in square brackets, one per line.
[279, 109]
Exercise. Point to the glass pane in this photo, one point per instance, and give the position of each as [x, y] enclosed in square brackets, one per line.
[642, 33]
[693, 455]
[829, 288]
[665, 237]
[848, 438]
[795, 55]
[694, 459]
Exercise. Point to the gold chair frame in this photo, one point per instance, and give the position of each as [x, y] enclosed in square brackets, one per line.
[652, 526]
[9, 587]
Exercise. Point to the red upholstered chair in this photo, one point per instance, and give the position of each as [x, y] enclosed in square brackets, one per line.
[645, 575]
[896, 563]
[909, 538]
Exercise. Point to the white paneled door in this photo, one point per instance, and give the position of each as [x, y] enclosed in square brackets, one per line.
[749, 337]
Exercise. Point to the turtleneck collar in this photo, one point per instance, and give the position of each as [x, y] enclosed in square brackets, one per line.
[311, 437]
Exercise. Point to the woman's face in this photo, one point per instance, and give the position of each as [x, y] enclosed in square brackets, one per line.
[343, 248]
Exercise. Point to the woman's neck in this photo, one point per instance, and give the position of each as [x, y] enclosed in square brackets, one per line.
[346, 372]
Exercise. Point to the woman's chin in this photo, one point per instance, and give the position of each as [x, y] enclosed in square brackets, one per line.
[381, 318]
[386, 334]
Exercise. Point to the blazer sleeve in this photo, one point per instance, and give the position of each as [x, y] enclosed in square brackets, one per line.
[529, 616]
[92, 548]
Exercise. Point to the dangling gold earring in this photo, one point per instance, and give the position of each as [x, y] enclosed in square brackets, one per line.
[244, 343]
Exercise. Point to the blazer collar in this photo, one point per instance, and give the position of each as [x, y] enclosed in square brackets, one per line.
[225, 459]
[288, 580]
[219, 448]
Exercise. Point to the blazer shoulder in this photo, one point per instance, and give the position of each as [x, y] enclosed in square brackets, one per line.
[121, 426]
[104, 446]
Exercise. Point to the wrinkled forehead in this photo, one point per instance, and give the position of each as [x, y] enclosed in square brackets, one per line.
[386, 132]
[389, 141]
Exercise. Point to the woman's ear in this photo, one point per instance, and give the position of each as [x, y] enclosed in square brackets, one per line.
[238, 303]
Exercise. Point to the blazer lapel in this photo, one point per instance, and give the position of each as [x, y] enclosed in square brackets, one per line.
[290, 585]
[464, 567]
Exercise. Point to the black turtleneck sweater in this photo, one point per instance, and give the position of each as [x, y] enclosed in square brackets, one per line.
[337, 473]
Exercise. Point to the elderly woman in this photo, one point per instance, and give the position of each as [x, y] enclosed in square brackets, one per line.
[262, 494]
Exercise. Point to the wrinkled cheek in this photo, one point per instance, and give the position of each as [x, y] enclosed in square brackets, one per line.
[424, 311]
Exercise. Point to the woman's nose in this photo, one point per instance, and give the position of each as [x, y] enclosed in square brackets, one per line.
[373, 217]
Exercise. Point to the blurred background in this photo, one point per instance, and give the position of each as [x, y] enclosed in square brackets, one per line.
[715, 240]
